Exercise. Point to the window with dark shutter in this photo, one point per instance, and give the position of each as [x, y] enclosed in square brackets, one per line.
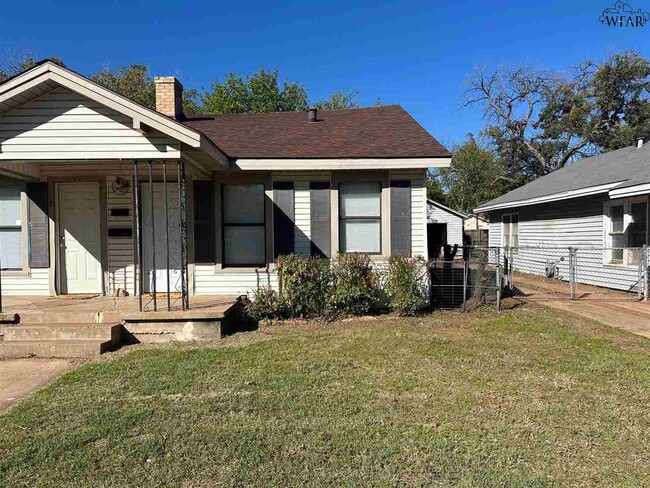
[400, 217]
[39, 225]
[204, 228]
[321, 226]
[283, 218]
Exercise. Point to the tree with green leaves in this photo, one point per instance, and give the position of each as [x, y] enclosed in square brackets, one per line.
[258, 92]
[339, 100]
[476, 175]
[136, 83]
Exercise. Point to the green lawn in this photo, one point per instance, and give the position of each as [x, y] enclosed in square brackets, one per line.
[531, 397]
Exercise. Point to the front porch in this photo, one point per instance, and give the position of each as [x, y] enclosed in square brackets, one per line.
[84, 326]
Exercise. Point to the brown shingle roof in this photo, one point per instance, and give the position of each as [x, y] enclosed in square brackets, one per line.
[378, 132]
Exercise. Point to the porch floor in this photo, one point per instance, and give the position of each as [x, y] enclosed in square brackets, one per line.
[120, 305]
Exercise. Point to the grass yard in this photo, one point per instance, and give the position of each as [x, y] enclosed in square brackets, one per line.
[531, 397]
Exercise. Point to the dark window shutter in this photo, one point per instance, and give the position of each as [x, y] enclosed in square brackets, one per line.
[39, 225]
[283, 218]
[204, 229]
[400, 217]
[321, 226]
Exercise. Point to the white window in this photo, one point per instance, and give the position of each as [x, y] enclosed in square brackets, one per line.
[626, 228]
[10, 228]
[360, 217]
[243, 225]
[510, 231]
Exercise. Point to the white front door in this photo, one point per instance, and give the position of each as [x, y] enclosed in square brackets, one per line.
[159, 274]
[80, 237]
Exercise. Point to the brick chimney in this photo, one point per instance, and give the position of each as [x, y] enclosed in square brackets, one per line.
[169, 96]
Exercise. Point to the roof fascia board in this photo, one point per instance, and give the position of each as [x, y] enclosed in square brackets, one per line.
[630, 191]
[23, 78]
[447, 209]
[592, 190]
[334, 164]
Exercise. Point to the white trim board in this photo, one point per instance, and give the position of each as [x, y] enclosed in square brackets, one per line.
[339, 164]
[592, 190]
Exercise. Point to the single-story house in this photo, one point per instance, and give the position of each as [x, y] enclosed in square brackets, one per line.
[598, 205]
[101, 195]
[444, 227]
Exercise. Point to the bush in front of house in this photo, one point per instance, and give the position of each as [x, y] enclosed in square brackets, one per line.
[264, 304]
[405, 284]
[305, 285]
[355, 285]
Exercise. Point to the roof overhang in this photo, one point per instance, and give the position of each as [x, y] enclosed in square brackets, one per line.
[45, 76]
[447, 209]
[582, 192]
[339, 164]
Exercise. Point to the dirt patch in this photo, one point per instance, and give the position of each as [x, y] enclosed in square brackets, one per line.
[20, 377]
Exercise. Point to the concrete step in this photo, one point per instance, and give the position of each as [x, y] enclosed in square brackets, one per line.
[65, 332]
[53, 349]
[58, 317]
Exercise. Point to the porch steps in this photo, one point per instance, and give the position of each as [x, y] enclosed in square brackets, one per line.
[58, 340]
[53, 349]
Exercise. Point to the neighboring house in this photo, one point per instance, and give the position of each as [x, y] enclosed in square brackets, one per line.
[598, 205]
[84, 208]
[476, 230]
[444, 226]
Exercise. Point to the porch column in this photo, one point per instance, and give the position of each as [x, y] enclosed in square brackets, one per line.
[185, 300]
[138, 237]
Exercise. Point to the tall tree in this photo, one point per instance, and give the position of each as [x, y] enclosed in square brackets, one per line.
[256, 93]
[15, 63]
[339, 100]
[136, 83]
[541, 121]
[476, 175]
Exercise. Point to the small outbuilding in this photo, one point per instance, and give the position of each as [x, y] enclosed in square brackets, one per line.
[444, 227]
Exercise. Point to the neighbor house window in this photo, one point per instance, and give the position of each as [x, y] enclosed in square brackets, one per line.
[10, 228]
[626, 228]
[360, 217]
[243, 225]
[510, 229]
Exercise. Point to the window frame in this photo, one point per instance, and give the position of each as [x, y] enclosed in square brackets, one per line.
[503, 233]
[626, 203]
[23, 229]
[342, 219]
[224, 225]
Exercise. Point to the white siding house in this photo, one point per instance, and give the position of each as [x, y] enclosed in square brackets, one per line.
[84, 207]
[598, 207]
[444, 227]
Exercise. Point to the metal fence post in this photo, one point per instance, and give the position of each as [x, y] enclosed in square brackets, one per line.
[572, 273]
[498, 280]
[464, 284]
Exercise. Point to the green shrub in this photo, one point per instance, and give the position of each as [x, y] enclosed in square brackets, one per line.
[355, 285]
[305, 285]
[264, 304]
[405, 284]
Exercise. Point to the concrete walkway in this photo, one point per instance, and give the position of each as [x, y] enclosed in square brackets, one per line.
[20, 377]
[610, 307]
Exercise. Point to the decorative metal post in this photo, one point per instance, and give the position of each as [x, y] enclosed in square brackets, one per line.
[646, 281]
[181, 200]
[153, 239]
[138, 238]
[169, 296]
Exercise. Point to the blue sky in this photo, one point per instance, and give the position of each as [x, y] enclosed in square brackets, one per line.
[417, 54]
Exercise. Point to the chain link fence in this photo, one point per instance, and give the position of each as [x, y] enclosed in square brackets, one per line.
[485, 275]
